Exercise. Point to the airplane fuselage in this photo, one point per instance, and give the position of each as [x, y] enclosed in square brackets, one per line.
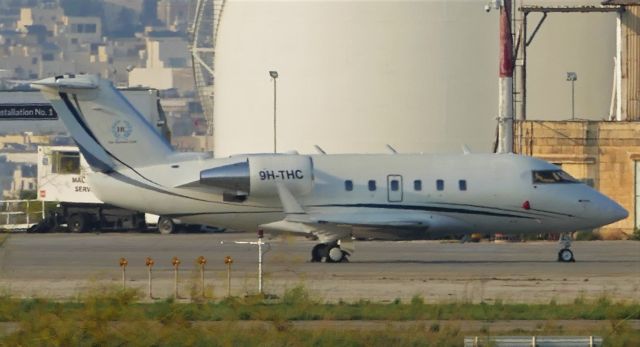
[331, 197]
[469, 193]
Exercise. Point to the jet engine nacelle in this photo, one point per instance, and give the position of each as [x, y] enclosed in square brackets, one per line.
[259, 176]
[293, 171]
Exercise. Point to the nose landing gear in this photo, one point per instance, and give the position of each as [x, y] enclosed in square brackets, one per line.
[565, 254]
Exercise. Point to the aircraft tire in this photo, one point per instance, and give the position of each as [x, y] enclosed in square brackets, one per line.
[336, 255]
[166, 225]
[566, 256]
[318, 252]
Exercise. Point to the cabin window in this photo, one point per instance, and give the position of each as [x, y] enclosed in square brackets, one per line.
[372, 185]
[462, 184]
[440, 184]
[552, 176]
[417, 185]
[395, 185]
[66, 163]
[348, 185]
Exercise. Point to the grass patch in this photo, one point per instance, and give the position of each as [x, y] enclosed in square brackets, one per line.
[297, 304]
[66, 333]
[112, 317]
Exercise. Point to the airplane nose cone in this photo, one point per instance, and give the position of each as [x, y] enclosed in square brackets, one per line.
[619, 212]
[611, 211]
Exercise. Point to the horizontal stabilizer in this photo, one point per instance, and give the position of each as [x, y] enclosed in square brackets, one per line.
[79, 82]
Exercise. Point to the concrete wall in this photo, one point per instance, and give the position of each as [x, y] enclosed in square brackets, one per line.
[601, 153]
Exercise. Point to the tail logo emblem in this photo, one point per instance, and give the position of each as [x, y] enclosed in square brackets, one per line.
[121, 130]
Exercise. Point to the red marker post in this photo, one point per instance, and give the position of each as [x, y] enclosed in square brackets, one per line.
[202, 261]
[149, 263]
[176, 264]
[228, 261]
[123, 266]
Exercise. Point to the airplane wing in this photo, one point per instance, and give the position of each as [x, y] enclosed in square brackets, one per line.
[374, 218]
[330, 223]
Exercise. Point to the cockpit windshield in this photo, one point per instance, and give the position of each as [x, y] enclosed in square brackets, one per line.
[552, 176]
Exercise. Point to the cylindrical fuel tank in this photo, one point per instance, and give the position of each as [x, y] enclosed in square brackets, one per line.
[419, 75]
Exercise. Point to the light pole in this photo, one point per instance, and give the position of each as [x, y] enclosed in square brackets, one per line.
[573, 77]
[274, 76]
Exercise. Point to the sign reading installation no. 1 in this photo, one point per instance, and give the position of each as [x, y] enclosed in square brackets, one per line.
[27, 111]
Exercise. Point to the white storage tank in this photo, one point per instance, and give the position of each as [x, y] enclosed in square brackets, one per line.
[419, 75]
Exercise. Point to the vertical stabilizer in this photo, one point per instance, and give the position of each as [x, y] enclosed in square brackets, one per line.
[108, 129]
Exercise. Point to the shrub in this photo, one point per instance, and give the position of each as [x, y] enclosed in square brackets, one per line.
[297, 295]
[417, 300]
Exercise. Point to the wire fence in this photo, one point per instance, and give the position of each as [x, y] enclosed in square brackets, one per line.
[18, 215]
[533, 341]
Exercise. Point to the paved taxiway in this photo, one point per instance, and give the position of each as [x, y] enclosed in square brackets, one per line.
[64, 265]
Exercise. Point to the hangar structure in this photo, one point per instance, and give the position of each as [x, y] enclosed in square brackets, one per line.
[603, 153]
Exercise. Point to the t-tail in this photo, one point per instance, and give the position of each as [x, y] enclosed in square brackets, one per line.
[109, 131]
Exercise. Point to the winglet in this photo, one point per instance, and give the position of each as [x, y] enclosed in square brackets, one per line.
[391, 149]
[289, 203]
[465, 149]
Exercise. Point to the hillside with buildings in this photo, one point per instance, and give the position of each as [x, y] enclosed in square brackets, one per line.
[134, 44]
[137, 44]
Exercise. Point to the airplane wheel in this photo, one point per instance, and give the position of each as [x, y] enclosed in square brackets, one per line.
[166, 226]
[318, 252]
[336, 255]
[566, 256]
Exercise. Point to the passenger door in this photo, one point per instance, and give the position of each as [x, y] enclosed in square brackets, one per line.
[394, 188]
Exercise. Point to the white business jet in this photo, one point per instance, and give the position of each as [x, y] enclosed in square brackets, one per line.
[332, 197]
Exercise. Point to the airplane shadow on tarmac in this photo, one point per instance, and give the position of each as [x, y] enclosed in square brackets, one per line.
[436, 262]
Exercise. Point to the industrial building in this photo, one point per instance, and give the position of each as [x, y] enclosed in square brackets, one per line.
[604, 154]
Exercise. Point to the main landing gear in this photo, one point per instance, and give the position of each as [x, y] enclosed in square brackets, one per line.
[565, 255]
[329, 253]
